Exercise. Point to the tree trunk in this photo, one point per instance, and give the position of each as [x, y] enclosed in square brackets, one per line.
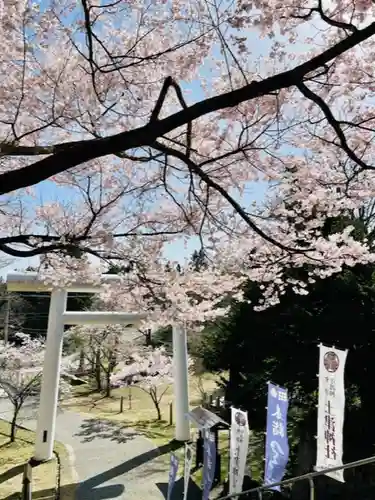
[112, 362]
[13, 427]
[157, 405]
[108, 384]
[115, 351]
[148, 337]
[98, 372]
[81, 366]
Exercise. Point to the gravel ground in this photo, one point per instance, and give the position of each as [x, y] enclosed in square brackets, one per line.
[109, 462]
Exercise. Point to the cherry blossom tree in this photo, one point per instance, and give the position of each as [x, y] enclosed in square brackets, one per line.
[154, 120]
[105, 349]
[20, 373]
[152, 371]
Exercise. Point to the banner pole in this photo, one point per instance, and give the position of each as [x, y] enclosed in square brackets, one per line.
[312, 488]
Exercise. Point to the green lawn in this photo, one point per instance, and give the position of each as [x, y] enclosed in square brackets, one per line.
[137, 404]
[13, 456]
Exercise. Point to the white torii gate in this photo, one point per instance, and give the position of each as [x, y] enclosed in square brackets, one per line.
[57, 318]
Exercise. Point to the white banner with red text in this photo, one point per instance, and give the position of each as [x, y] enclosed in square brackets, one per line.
[239, 444]
[331, 409]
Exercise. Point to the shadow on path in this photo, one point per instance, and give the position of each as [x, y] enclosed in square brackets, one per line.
[129, 465]
[10, 473]
[110, 491]
[91, 489]
[194, 492]
[93, 428]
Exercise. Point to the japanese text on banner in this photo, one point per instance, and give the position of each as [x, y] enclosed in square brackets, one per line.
[277, 447]
[331, 407]
[239, 443]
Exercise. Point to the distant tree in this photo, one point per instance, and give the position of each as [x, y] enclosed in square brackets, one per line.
[162, 337]
[20, 373]
[36, 306]
[105, 349]
[152, 371]
[199, 259]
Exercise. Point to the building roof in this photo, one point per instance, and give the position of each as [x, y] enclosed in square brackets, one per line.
[205, 419]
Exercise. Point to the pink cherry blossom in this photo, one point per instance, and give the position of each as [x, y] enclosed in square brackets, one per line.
[151, 371]
[104, 349]
[21, 367]
[156, 122]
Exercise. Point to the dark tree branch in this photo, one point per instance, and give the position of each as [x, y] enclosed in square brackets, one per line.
[332, 22]
[169, 82]
[309, 94]
[214, 185]
[71, 245]
[65, 157]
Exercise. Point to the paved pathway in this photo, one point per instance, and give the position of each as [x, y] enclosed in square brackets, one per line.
[110, 462]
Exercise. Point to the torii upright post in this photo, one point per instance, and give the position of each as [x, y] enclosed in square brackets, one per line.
[49, 392]
[58, 317]
[181, 383]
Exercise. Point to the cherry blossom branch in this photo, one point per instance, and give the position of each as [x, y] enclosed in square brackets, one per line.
[214, 185]
[332, 22]
[136, 60]
[309, 94]
[66, 156]
[68, 244]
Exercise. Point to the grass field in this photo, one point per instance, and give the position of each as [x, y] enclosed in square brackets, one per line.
[137, 405]
[13, 456]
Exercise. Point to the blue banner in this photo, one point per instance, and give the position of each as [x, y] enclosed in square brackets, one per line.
[209, 463]
[172, 474]
[277, 447]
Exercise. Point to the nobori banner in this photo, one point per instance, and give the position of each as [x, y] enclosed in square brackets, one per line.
[239, 444]
[173, 468]
[331, 408]
[277, 447]
[209, 463]
[187, 468]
